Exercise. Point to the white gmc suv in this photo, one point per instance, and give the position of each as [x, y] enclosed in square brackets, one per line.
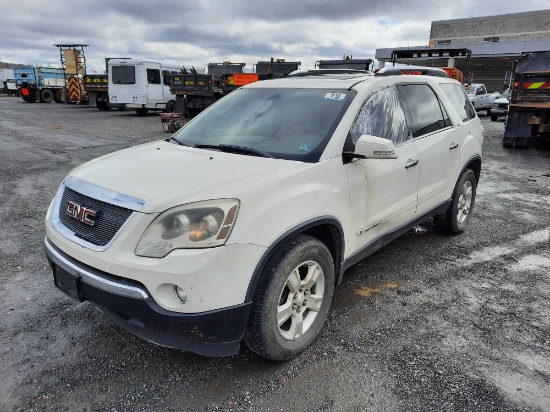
[242, 223]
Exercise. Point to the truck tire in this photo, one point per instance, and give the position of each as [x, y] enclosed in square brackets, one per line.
[31, 98]
[170, 107]
[46, 96]
[191, 112]
[58, 96]
[507, 141]
[102, 105]
[494, 118]
[522, 141]
[142, 111]
[488, 112]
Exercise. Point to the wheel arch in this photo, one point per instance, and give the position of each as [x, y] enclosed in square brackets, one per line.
[474, 164]
[326, 229]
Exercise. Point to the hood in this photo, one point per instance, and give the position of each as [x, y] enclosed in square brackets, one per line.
[165, 175]
[501, 100]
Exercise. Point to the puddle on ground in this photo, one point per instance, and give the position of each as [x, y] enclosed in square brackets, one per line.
[353, 295]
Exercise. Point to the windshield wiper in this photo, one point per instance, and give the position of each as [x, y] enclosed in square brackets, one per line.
[173, 139]
[229, 148]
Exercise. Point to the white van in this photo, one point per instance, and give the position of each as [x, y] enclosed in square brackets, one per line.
[141, 85]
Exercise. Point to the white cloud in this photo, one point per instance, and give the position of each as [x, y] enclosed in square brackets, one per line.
[197, 32]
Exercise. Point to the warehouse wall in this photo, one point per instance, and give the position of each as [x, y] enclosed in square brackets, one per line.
[508, 27]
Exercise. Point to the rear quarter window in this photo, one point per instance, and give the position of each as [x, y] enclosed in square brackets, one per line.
[124, 74]
[459, 100]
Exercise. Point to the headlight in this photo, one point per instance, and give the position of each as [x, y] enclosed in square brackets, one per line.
[196, 225]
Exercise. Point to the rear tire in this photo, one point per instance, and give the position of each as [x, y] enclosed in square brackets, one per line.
[102, 105]
[292, 299]
[494, 118]
[462, 205]
[170, 107]
[488, 112]
[142, 111]
[58, 96]
[46, 96]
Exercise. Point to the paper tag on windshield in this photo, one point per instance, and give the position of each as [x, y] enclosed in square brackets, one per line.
[335, 96]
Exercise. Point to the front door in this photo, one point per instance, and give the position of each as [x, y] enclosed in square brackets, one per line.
[383, 193]
[155, 93]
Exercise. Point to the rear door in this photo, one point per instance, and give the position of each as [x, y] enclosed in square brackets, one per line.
[437, 141]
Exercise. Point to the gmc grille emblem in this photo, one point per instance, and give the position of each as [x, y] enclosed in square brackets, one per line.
[81, 213]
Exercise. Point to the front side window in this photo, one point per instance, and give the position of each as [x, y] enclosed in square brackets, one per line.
[424, 110]
[294, 124]
[124, 74]
[166, 77]
[381, 116]
[459, 100]
[153, 76]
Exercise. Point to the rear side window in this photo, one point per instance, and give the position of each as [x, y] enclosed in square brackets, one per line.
[424, 110]
[459, 100]
[381, 116]
[124, 74]
[153, 76]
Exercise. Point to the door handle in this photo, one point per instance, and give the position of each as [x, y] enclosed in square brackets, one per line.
[453, 146]
[411, 163]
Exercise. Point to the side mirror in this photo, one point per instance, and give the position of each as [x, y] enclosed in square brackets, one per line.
[372, 147]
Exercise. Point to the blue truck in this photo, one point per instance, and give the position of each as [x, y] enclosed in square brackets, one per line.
[42, 84]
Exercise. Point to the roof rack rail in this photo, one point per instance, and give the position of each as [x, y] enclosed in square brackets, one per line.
[412, 70]
[322, 72]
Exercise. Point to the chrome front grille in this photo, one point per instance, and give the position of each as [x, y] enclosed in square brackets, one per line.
[108, 222]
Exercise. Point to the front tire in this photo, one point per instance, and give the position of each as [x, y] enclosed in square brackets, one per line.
[292, 299]
[462, 205]
[494, 118]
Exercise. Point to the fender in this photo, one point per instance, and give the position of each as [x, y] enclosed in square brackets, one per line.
[470, 160]
[285, 238]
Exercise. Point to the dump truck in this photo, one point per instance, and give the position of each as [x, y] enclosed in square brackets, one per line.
[195, 92]
[529, 109]
[42, 84]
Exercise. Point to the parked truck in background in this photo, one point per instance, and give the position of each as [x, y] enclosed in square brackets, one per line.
[5, 75]
[196, 91]
[43, 84]
[11, 88]
[480, 98]
[141, 85]
[529, 109]
[96, 87]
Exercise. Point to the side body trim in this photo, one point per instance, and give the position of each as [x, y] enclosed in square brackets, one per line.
[383, 240]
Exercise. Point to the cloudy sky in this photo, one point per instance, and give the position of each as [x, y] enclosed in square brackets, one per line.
[201, 31]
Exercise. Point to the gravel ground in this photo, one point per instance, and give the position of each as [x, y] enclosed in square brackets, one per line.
[429, 322]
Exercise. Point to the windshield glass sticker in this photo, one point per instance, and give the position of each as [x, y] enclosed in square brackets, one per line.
[306, 147]
[335, 96]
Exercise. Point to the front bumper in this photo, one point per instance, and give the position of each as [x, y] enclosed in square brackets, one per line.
[499, 112]
[130, 305]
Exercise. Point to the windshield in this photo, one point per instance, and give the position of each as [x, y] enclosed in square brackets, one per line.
[293, 124]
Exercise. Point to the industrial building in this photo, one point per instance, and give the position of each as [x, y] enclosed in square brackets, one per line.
[495, 43]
